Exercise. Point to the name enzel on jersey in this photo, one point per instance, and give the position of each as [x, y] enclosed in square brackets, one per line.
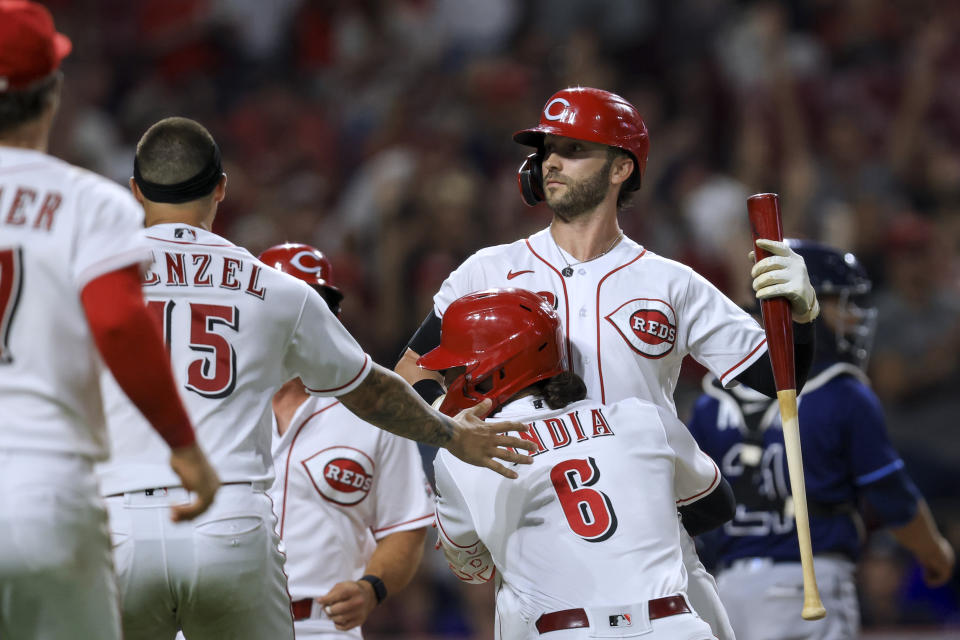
[199, 269]
[566, 429]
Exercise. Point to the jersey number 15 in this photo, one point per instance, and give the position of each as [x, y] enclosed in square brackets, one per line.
[214, 374]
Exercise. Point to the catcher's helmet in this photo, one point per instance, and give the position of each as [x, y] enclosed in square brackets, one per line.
[308, 264]
[506, 338]
[838, 274]
[587, 114]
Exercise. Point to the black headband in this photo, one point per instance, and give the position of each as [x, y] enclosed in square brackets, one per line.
[191, 189]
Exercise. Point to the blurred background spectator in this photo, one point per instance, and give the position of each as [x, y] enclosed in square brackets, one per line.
[380, 131]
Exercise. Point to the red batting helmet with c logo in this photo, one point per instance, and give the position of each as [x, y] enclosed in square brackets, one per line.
[587, 114]
[305, 263]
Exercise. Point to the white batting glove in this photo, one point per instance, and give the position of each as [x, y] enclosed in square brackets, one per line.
[785, 274]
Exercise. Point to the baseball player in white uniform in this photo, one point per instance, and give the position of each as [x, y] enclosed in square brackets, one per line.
[71, 248]
[629, 315]
[236, 330]
[586, 543]
[352, 501]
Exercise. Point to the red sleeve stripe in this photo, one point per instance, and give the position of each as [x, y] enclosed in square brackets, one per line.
[748, 356]
[713, 485]
[427, 520]
[366, 359]
[448, 539]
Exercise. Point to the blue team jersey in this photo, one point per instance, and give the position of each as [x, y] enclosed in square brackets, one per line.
[845, 447]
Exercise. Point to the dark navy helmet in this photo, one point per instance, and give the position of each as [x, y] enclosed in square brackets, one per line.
[837, 276]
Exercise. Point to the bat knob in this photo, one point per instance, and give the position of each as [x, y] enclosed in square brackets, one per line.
[813, 611]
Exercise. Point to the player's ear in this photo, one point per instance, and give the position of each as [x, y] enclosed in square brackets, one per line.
[220, 191]
[622, 168]
[136, 191]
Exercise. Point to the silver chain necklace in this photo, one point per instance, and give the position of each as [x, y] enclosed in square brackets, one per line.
[568, 270]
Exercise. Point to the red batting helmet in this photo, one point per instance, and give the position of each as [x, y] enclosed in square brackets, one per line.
[587, 114]
[506, 338]
[308, 264]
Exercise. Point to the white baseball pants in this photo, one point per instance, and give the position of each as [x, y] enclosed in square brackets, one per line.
[56, 573]
[219, 576]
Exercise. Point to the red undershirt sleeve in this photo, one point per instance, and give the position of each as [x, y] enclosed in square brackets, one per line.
[130, 344]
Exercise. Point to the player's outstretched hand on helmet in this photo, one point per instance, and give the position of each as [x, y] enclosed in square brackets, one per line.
[197, 476]
[478, 443]
[784, 274]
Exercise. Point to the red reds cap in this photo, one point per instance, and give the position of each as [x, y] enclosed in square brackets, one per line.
[30, 47]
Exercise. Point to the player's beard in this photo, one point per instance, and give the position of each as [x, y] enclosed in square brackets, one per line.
[583, 196]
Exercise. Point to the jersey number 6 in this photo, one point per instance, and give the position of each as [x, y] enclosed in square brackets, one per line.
[214, 375]
[588, 511]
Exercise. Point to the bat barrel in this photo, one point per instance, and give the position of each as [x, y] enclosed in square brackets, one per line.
[764, 211]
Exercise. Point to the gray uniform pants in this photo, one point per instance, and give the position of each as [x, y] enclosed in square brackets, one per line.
[763, 599]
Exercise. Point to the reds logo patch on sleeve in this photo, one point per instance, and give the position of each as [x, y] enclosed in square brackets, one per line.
[342, 475]
[648, 325]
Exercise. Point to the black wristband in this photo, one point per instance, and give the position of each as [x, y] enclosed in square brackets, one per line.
[379, 589]
[428, 389]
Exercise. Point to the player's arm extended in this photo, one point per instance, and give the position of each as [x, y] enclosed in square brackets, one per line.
[130, 344]
[394, 561]
[386, 401]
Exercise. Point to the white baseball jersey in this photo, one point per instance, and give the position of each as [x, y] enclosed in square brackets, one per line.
[236, 331]
[341, 485]
[593, 520]
[60, 228]
[630, 315]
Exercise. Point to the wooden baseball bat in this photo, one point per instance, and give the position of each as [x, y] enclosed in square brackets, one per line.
[764, 211]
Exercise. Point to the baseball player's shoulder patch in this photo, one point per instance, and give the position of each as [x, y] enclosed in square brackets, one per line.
[343, 475]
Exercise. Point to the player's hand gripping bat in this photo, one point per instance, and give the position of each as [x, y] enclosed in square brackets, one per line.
[764, 211]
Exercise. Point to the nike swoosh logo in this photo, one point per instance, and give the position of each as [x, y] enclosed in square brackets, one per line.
[513, 274]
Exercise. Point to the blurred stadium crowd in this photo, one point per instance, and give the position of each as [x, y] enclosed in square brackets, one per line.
[380, 131]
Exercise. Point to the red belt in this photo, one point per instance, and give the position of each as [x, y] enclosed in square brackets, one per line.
[577, 618]
[301, 608]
